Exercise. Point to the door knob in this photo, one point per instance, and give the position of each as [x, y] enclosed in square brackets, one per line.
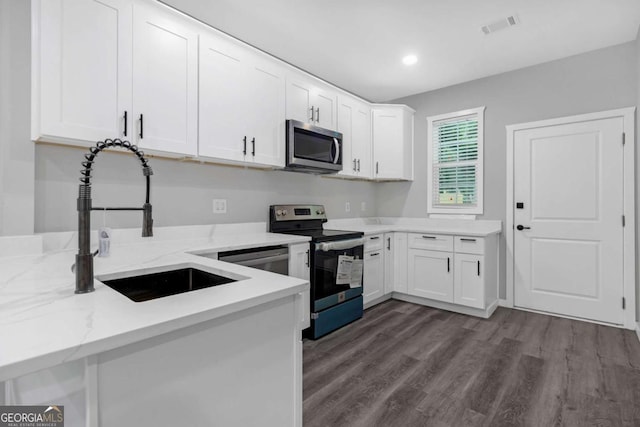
[522, 227]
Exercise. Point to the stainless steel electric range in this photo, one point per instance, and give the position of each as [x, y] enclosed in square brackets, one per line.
[335, 266]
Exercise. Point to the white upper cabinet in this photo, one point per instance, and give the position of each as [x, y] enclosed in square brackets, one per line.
[265, 111]
[241, 103]
[310, 102]
[165, 80]
[354, 122]
[84, 69]
[393, 142]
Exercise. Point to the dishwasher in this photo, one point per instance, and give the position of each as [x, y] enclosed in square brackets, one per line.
[270, 258]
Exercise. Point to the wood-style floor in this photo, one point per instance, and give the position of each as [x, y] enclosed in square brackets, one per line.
[407, 365]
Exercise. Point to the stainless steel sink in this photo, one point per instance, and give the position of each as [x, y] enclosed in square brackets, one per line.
[162, 284]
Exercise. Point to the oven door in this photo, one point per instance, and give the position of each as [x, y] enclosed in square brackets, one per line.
[325, 292]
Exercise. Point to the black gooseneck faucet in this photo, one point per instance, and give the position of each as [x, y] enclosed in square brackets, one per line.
[84, 258]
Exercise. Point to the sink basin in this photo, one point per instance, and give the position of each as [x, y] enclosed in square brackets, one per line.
[159, 285]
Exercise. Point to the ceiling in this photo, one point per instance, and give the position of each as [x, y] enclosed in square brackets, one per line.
[358, 45]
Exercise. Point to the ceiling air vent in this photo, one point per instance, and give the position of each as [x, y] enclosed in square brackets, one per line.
[507, 22]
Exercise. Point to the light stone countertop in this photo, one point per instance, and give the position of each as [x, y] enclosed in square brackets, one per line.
[369, 226]
[43, 323]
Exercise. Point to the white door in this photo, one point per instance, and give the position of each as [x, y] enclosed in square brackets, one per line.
[431, 274]
[223, 117]
[85, 68]
[568, 256]
[264, 114]
[165, 81]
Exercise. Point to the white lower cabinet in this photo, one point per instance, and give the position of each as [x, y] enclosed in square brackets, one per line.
[468, 284]
[299, 262]
[460, 270]
[373, 277]
[430, 274]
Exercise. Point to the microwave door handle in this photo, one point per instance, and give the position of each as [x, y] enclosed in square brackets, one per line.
[336, 145]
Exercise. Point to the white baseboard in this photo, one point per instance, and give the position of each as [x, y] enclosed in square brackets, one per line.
[504, 303]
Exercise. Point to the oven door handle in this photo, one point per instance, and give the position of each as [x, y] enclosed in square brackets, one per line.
[340, 245]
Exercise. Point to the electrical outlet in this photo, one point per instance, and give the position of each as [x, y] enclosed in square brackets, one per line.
[347, 207]
[363, 206]
[219, 206]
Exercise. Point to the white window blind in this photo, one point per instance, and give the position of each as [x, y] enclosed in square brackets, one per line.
[455, 148]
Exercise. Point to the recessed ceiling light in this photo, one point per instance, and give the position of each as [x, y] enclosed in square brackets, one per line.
[409, 60]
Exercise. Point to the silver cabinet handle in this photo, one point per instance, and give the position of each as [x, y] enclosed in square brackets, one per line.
[317, 114]
[312, 116]
[354, 165]
[358, 165]
[448, 264]
[478, 268]
[389, 243]
[374, 238]
[376, 254]
[308, 250]
[467, 240]
[253, 147]
[376, 168]
[429, 237]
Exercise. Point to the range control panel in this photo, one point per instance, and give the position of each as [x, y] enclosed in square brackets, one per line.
[297, 212]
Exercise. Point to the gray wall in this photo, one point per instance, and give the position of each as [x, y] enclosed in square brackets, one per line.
[182, 192]
[595, 81]
[16, 150]
[637, 176]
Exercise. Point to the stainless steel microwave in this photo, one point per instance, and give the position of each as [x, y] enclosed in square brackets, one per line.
[313, 149]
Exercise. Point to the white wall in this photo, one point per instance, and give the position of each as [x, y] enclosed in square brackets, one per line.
[595, 81]
[16, 150]
[181, 192]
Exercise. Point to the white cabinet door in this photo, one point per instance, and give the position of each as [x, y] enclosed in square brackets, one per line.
[396, 263]
[85, 68]
[361, 148]
[310, 103]
[392, 143]
[431, 274]
[299, 262]
[354, 122]
[223, 116]
[265, 110]
[373, 277]
[469, 280]
[325, 102]
[165, 81]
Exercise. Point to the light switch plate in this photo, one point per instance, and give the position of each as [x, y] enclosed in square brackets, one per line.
[219, 206]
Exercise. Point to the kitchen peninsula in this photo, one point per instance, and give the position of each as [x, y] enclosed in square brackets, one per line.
[225, 355]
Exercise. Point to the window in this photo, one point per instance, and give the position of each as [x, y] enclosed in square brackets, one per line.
[455, 162]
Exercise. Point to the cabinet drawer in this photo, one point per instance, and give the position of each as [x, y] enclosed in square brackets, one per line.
[434, 242]
[469, 245]
[373, 243]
